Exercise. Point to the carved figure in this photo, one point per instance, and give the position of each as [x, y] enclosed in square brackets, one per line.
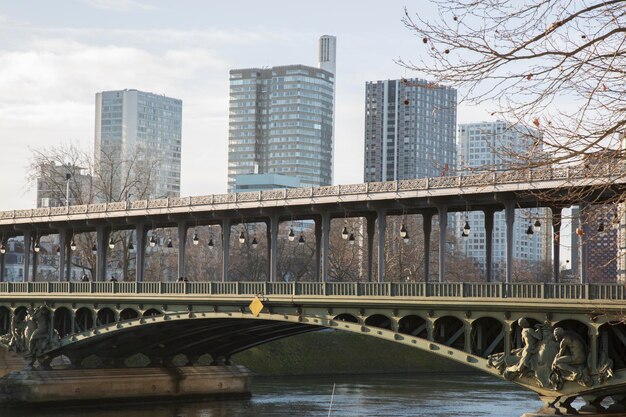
[31, 336]
[570, 363]
[528, 353]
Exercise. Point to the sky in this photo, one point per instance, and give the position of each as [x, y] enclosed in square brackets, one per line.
[55, 56]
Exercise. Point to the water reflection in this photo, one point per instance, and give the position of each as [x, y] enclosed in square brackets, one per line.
[355, 396]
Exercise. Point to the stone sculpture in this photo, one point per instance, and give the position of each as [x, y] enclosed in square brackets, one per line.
[550, 356]
[31, 336]
[570, 363]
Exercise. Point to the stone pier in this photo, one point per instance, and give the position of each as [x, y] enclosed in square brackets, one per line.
[38, 386]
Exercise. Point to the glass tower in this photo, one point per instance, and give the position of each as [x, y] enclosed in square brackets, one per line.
[132, 122]
[409, 130]
[281, 122]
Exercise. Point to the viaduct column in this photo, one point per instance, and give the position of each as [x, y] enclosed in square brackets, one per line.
[141, 231]
[442, 211]
[272, 244]
[371, 229]
[27, 245]
[509, 214]
[35, 257]
[62, 247]
[556, 244]
[103, 234]
[182, 244]
[225, 248]
[582, 245]
[381, 215]
[318, 248]
[325, 247]
[488, 243]
[427, 225]
[69, 236]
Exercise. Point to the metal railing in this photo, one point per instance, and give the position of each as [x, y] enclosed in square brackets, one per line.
[609, 172]
[326, 289]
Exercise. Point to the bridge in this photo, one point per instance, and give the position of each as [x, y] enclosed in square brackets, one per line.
[530, 333]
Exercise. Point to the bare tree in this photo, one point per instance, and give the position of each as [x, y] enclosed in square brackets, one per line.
[69, 174]
[557, 65]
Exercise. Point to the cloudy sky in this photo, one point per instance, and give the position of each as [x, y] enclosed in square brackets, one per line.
[54, 57]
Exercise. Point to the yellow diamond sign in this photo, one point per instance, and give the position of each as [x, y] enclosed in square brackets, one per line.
[256, 306]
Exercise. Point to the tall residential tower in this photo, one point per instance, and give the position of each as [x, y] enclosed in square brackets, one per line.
[409, 130]
[281, 125]
[133, 125]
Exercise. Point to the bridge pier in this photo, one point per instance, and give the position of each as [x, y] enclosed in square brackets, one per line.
[225, 247]
[556, 238]
[509, 214]
[488, 213]
[427, 225]
[381, 215]
[182, 245]
[442, 211]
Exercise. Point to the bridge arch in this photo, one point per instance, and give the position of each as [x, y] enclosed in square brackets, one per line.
[129, 314]
[346, 317]
[487, 336]
[152, 312]
[413, 325]
[450, 331]
[63, 321]
[380, 321]
[83, 319]
[105, 316]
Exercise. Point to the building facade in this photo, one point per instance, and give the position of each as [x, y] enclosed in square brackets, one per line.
[409, 130]
[494, 146]
[281, 122]
[143, 129]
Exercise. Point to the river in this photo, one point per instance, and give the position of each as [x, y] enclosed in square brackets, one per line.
[428, 395]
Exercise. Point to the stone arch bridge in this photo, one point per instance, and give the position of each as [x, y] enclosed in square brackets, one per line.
[471, 323]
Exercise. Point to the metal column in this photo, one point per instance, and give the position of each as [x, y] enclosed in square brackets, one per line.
[225, 248]
[371, 229]
[509, 214]
[26, 277]
[35, 260]
[556, 243]
[62, 246]
[381, 216]
[488, 244]
[583, 247]
[182, 244]
[102, 243]
[141, 231]
[69, 236]
[318, 248]
[443, 226]
[427, 227]
[325, 252]
[272, 245]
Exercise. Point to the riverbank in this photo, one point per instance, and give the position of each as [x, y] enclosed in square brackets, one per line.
[331, 352]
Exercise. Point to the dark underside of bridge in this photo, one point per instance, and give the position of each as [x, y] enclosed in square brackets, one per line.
[162, 341]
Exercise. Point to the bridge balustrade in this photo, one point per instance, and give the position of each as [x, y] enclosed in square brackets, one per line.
[339, 289]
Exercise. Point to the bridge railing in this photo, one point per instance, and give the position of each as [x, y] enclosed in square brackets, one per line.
[608, 171]
[330, 289]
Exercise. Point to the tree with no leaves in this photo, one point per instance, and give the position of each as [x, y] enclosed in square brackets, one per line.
[559, 66]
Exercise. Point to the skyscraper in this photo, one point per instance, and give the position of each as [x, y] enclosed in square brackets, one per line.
[327, 53]
[135, 126]
[409, 130]
[493, 145]
[281, 122]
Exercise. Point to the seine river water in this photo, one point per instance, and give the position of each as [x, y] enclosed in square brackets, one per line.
[428, 395]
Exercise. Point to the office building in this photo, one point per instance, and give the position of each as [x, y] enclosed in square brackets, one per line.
[281, 122]
[409, 130]
[142, 129]
[495, 145]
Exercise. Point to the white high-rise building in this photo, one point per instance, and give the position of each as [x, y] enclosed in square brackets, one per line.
[132, 121]
[281, 125]
[493, 145]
